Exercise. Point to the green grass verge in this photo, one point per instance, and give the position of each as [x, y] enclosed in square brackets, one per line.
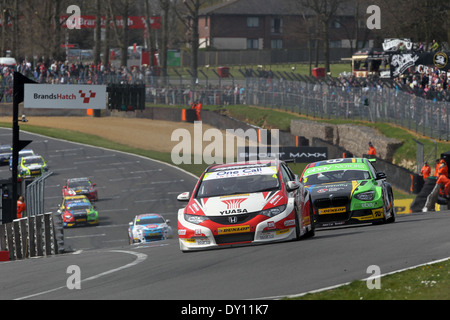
[429, 282]
[93, 140]
[299, 68]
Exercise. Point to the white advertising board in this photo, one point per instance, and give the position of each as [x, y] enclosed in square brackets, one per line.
[64, 96]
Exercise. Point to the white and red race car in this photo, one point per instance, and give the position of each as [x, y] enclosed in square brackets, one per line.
[244, 203]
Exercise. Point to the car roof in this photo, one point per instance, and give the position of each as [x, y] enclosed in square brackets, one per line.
[336, 161]
[77, 179]
[32, 157]
[339, 161]
[75, 197]
[244, 164]
[148, 215]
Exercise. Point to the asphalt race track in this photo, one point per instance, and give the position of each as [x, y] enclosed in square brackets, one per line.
[112, 269]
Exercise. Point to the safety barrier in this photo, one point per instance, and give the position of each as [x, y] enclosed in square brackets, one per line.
[40, 235]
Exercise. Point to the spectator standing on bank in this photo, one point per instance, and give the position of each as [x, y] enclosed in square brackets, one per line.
[434, 46]
[372, 151]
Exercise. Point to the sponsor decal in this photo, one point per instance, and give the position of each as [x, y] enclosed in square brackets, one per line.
[233, 211]
[271, 225]
[235, 195]
[289, 223]
[335, 167]
[282, 231]
[231, 230]
[240, 173]
[274, 201]
[378, 213]
[332, 210]
[267, 235]
[365, 218]
[367, 205]
[203, 241]
[233, 203]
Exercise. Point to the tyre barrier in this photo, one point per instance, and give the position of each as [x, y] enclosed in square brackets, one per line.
[41, 235]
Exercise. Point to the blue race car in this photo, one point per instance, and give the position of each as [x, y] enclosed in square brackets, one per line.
[149, 227]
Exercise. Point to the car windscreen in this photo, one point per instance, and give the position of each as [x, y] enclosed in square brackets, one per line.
[145, 221]
[79, 184]
[335, 176]
[29, 161]
[227, 182]
[78, 206]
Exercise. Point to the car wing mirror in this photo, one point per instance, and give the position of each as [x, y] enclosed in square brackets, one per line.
[184, 196]
[380, 175]
[292, 185]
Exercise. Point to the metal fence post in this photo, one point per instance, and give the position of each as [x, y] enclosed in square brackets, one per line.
[32, 236]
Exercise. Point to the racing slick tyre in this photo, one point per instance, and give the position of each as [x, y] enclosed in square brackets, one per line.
[391, 219]
[297, 226]
[312, 231]
[392, 210]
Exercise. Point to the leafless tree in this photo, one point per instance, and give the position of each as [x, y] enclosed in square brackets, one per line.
[325, 11]
[121, 8]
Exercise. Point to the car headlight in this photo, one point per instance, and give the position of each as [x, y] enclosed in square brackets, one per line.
[195, 219]
[273, 211]
[365, 196]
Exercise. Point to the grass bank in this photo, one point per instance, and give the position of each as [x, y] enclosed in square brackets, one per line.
[428, 282]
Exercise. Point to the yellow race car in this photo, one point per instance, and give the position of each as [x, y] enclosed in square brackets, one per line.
[32, 166]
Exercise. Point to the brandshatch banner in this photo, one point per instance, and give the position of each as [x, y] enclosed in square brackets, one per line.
[65, 96]
[297, 154]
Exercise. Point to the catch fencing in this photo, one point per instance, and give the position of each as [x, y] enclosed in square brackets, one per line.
[373, 101]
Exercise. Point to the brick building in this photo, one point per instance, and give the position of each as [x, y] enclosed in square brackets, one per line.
[276, 24]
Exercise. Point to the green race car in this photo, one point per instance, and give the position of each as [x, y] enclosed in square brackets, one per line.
[32, 166]
[78, 211]
[348, 190]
